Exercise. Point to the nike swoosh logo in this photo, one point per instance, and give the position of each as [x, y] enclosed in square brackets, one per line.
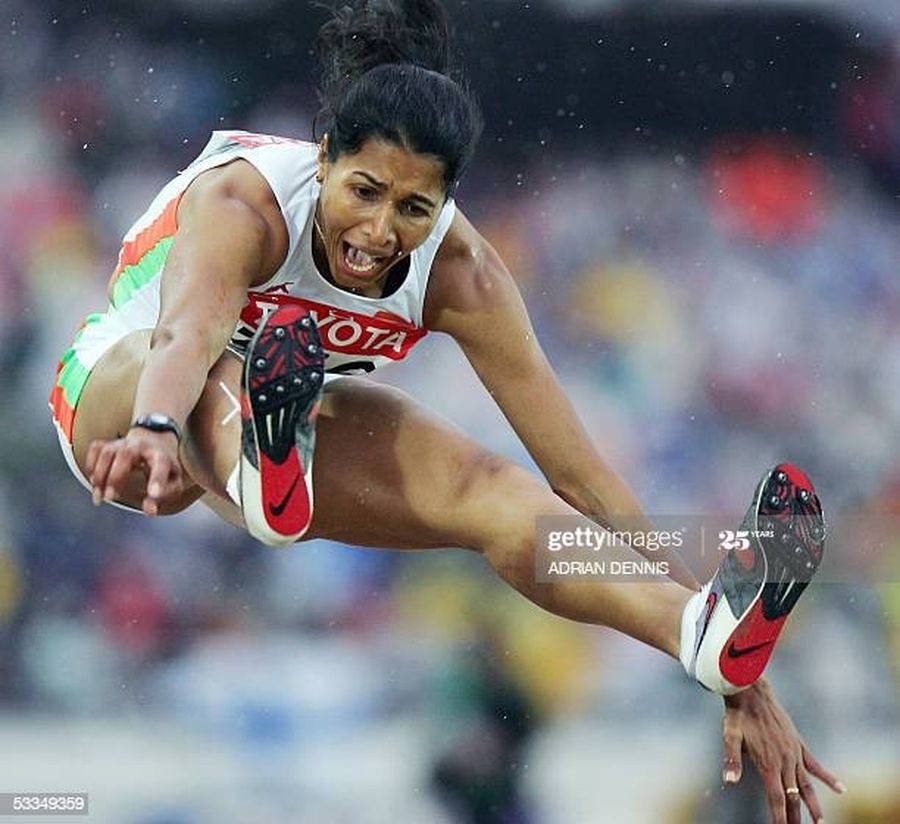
[277, 509]
[734, 652]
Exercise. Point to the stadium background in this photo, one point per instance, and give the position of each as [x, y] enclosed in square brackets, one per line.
[700, 202]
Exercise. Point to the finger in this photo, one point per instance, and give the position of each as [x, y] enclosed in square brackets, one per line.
[794, 808]
[123, 462]
[157, 476]
[775, 798]
[808, 794]
[792, 799]
[163, 475]
[91, 457]
[163, 478]
[104, 454]
[150, 506]
[732, 766]
[821, 773]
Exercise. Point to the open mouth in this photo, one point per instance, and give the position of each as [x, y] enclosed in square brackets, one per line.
[358, 261]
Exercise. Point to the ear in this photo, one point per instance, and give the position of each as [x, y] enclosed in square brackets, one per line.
[322, 159]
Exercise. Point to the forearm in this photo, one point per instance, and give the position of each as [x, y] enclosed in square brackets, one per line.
[173, 375]
[230, 235]
[607, 500]
[503, 349]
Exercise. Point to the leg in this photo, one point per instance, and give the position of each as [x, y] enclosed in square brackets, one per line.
[389, 473]
[212, 434]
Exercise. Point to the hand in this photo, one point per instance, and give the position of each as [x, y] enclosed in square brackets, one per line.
[155, 454]
[757, 724]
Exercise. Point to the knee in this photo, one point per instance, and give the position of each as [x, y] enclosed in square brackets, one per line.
[500, 501]
[484, 478]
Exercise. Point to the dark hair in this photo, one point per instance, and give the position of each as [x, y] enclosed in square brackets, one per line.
[387, 73]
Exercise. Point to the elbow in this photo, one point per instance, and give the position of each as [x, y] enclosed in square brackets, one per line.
[571, 494]
[161, 337]
[580, 498]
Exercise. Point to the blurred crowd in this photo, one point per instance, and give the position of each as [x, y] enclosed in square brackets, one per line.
[711, 308]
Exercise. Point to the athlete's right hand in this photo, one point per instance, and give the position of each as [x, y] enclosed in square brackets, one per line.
[115, 469]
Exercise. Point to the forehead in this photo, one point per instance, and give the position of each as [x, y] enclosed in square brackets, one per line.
[396, 167]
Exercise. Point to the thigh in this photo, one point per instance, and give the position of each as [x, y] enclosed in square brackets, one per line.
[389, 472]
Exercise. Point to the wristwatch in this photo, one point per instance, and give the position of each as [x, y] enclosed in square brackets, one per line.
[157, 422]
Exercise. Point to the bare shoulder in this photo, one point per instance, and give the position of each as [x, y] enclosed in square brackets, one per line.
[239, 180]
[468, 278]
[237, 195]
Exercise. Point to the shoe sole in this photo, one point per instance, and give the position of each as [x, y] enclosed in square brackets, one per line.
[787, 531]
[281, 386]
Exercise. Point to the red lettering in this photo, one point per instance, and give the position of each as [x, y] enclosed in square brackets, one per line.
[344, 333]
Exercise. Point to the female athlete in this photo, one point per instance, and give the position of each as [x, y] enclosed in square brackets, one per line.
[267, 278]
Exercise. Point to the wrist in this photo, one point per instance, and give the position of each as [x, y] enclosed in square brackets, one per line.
[158, 422]
[758, 690]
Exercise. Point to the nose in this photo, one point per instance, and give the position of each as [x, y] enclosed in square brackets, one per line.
[379, 228]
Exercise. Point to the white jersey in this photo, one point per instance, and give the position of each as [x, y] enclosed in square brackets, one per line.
[359, 333]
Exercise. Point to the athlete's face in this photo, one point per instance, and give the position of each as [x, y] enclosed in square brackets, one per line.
[375, 207]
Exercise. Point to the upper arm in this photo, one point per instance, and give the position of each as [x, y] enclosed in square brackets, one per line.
[474, 298]
[230, 236]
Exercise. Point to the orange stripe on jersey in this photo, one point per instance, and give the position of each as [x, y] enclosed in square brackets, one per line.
[132, 251]
[71, 376]
[63, 413]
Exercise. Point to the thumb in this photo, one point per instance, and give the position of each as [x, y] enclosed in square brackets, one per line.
[733, 766]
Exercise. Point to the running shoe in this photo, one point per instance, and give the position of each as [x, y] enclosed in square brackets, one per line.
[729, 628]
[280, 395]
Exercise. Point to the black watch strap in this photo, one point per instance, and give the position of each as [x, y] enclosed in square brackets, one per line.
[157, 422]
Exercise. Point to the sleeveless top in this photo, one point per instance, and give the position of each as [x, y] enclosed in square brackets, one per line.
[358, 333]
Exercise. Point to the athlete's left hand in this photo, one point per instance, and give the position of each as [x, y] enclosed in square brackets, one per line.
[112, 466]
[756, 724]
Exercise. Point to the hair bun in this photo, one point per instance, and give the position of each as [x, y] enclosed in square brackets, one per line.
[386, 73]
[368, 33]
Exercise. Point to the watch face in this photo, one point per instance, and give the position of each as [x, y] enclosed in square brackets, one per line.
[157, 422]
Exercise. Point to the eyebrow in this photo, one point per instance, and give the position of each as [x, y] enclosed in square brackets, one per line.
[418, 196]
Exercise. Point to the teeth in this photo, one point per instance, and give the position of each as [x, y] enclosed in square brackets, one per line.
[359, 261]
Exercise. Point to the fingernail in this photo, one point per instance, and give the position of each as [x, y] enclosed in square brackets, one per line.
[841, 787]
[153, 490]
[731, 776]
[96, 497]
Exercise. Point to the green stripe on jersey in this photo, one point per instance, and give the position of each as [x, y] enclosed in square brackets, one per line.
[139, 274]
[73, 374]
